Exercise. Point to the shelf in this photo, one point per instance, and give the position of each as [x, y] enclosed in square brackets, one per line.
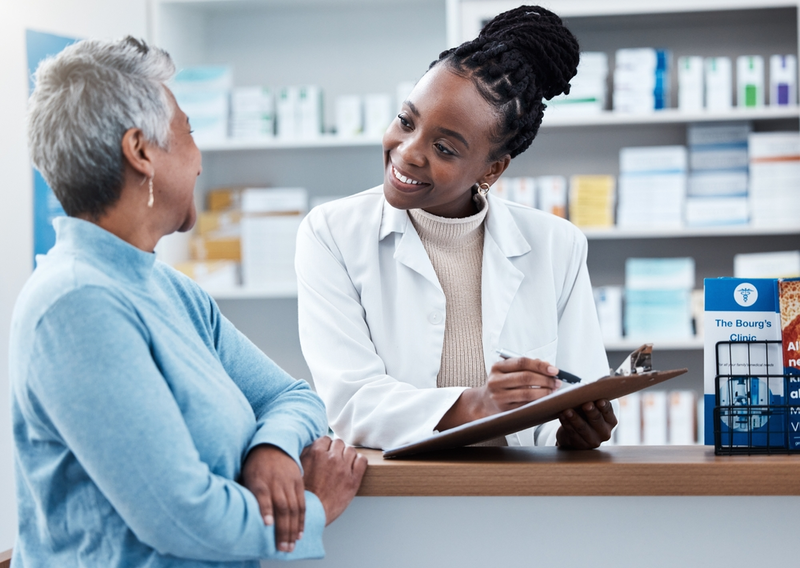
[661, 345]
[666, 116]
[323, 141]
[607, 118]
[685, 232]
[273, 291]
[589, 8]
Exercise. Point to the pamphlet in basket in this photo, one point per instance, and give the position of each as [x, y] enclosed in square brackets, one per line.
[740, 311]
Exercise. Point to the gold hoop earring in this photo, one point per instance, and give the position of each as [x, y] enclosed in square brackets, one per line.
[150, 198]
[483, 188]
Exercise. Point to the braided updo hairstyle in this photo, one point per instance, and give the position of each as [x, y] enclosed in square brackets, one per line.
[520, 57]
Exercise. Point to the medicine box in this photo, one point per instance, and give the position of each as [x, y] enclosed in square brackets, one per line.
[690, 83]
[782, 80]
[750, 81]
[719, 83]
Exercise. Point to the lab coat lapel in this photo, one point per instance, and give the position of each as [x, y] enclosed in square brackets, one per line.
[409, 250]
[500, 278]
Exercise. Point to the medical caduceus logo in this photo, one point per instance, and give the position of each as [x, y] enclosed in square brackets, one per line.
[745, 294]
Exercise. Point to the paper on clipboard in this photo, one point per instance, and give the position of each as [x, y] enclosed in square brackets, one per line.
[534, 413]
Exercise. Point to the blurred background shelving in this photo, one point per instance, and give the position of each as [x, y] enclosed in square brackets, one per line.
[360, 46]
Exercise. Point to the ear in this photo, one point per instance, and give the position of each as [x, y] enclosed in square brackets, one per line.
[138, 152]
[495, 170]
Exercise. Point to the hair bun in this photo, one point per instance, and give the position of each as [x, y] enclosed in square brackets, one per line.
[542, 41]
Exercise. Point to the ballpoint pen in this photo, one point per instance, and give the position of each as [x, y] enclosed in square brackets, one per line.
[562, 375]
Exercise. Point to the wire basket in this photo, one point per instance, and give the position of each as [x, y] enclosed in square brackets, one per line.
[757, 408]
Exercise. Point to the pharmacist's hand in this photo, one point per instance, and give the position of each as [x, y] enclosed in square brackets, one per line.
[517, 381]
[511, 383]
[332, 472]
[276, 481]
[587, 426]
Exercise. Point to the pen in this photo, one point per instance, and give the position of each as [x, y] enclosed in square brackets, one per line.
[563, 375]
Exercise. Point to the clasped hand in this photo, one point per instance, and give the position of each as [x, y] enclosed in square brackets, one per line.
[333, 472]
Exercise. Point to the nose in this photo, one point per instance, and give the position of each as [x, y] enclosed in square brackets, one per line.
[411, 150]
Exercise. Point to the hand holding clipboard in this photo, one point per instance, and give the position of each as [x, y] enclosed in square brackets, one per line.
[633, 375]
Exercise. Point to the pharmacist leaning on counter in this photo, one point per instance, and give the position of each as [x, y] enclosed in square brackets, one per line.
[407, 290]
[147, 429]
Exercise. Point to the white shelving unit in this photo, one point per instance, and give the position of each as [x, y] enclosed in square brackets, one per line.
[609, 118]
[364, 46]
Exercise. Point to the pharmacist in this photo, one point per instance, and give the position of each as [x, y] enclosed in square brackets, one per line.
[407, 290]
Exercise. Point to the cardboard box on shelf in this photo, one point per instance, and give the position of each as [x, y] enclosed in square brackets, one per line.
[592, 200]
[211, 247]
[224, 198]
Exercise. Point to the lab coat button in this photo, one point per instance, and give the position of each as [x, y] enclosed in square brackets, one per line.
[435, 318]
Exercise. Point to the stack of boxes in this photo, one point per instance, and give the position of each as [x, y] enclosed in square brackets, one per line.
[658, 295]
[641, 80]
[215, 246]
[548, 193]
[203, 93]
[591, 201]
[588, 88]
[774, 178]
[717, 191]
[252, 113]
[251, 228]
[551, 192]
[299, 112]
[270, 220]
[652, 187]
[658, 418]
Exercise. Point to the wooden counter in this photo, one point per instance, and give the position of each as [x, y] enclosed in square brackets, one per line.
[610, 471]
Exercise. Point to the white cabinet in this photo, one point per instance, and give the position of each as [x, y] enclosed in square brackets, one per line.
[365, 46]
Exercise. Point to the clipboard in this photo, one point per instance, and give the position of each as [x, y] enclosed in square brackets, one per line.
[534, 413]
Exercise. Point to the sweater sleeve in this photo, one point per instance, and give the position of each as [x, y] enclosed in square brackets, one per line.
[95, 379]
[289, 414]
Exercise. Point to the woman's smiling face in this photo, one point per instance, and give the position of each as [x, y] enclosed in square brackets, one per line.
[438, 147]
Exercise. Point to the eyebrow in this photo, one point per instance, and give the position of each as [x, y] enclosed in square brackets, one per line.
[445, 131]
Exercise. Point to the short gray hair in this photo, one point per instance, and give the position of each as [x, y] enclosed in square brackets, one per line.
[85, 99]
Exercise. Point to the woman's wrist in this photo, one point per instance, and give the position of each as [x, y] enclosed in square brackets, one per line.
[468, 407]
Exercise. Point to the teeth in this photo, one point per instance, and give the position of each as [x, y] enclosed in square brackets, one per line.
[405, 179]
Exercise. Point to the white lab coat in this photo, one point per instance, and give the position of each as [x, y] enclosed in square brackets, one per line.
[372, 311]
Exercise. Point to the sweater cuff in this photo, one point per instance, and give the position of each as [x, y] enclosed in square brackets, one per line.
[286, 441]
[310, 546]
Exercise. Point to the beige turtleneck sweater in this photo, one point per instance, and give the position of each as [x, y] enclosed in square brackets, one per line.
[455, 247]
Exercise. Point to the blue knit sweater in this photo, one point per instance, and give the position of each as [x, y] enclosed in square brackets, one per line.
[134, 402]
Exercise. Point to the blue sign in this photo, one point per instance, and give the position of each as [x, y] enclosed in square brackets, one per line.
[45, 205]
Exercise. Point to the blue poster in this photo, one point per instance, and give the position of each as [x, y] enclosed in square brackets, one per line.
[45, 205]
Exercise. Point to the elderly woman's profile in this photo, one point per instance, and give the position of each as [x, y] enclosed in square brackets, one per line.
[148, 431]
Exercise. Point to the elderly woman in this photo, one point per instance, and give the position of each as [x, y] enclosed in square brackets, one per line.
[148, 430]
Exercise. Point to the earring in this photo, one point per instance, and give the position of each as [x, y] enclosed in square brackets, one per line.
[150, 199]
[483, 188]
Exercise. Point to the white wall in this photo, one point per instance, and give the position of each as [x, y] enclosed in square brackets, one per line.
[71, 18]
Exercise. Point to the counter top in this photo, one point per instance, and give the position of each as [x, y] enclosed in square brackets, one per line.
[613, 470]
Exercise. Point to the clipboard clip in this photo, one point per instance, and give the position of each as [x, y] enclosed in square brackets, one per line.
[639, 361]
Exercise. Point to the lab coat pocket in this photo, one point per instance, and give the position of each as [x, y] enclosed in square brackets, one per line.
[546, 352]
